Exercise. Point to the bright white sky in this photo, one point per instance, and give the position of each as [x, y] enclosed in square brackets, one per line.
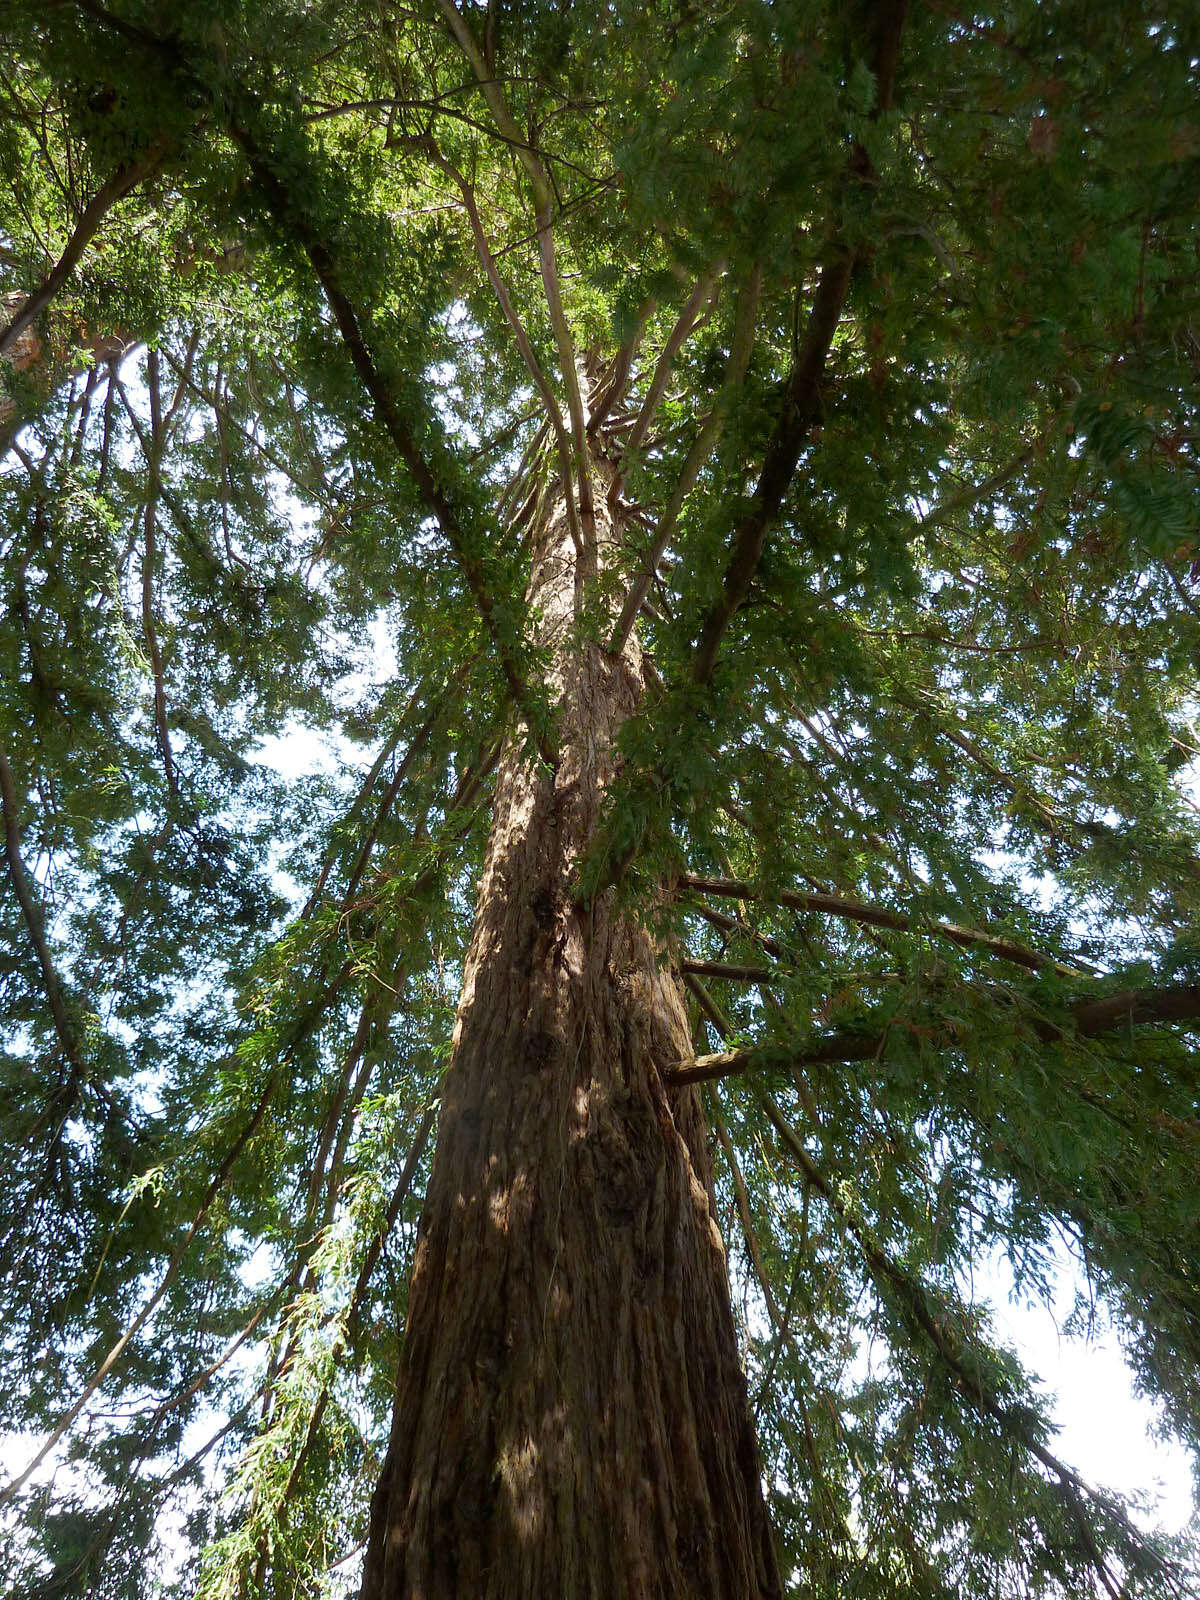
[1107, 1431]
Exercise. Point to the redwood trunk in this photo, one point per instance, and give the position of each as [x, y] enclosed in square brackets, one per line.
[571, 1416]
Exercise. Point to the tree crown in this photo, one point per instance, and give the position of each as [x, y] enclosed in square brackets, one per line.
[877, 324]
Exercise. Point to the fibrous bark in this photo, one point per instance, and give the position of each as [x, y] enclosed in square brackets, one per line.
[571, 1417]
[44, 363]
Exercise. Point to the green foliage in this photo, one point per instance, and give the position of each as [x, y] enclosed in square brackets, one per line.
[959, 689]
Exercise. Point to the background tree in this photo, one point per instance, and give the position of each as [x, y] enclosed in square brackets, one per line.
[722, 480]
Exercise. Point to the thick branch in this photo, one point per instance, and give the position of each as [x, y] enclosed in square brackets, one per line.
[802, 392]
[1178, 1002]
[702, 447]
[1088, 1019]
[726, 969]
[613, 389]
[676, 339]
[106, 197]
[881, 917]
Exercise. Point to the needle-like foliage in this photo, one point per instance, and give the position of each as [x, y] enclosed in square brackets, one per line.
[883, 323]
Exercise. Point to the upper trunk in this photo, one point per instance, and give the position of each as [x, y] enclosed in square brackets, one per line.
[571, 1417]
[44, 363]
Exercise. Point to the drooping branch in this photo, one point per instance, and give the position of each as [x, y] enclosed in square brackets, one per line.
[882, 917]
[753, 1248]
[114, 189]
[304, 1022]
[34, 924]
[918, 1305]
[1086, 1019]
[780, 1317]
[325, 1170]
[327, 987]
[416, 747]
[370, 1261]
[801, 401]
[366, 789]
[293, 218]
[171, 1272]
[155, 1489]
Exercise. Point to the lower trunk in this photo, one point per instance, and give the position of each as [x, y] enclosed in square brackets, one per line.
[571, 1416]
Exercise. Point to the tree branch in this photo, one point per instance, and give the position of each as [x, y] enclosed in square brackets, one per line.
[150, 525]
[543, 205]
[702, 447]
[34, 925]
[727, 924]
[802, 392]
[168, 1278]
[918, 1304]
[972, 494]
[293, 219]
[370, 1261]
[611, 391]
[881, 917]
[1088, 1019]
[520, 337]
[725, 969]
[114, 189]
[676, 339]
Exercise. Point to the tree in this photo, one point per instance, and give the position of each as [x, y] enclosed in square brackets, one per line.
[722, 479]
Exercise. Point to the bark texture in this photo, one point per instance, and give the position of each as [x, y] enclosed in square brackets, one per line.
[571, 1416]
[44, 364]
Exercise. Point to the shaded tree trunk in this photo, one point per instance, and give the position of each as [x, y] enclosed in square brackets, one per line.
[571, 1415]
[45, 363]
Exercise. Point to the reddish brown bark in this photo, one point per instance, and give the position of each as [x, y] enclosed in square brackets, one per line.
[46, 364]
[571, 1417]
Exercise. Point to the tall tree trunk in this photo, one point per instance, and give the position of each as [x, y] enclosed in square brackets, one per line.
[571, 1415]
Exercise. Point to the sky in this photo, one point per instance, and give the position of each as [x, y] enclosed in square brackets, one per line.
[1108, 1431]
